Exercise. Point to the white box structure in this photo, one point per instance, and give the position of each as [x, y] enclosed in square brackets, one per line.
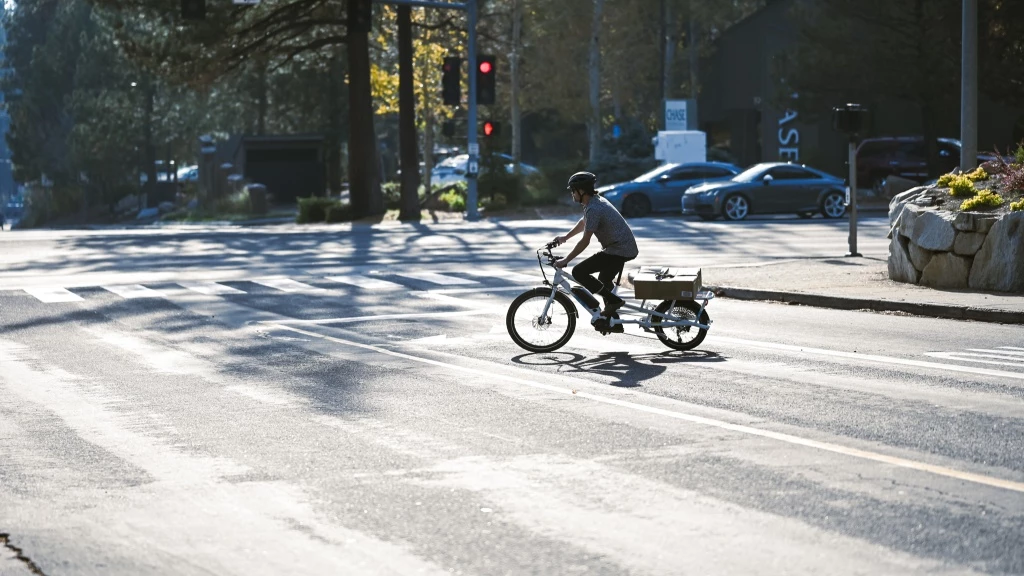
[679, 146]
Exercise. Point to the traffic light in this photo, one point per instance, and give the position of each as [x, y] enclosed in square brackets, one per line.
[451, 77]
[485, 72]
[491, 128]
[193, 9]
[448, 129]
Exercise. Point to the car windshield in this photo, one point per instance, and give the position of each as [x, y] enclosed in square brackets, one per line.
[655, 174]
[750, 174]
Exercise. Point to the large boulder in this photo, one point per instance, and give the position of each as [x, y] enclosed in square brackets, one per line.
[900, 200]
[919, 256]
[946, 270]
[907, 218]
[934, 231]
[999, 264]
[968, 243]
[974, 222]
[901, 269]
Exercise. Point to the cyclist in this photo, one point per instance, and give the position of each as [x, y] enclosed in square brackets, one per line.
[618, 245]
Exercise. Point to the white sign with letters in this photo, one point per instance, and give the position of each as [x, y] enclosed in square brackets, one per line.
[676, 114]
[789, 137]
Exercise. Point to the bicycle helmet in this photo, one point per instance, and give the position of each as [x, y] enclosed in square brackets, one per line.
[584, 182]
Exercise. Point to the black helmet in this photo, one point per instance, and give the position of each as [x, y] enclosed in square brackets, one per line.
[582, 181]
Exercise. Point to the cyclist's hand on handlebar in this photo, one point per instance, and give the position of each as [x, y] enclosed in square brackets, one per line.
[559, 240]
[561, 263]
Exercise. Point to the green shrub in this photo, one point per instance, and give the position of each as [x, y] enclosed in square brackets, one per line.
[455, 200]
[338, 212]
[962, 186]
[984, 199]
[237, 203]
[314, 209]
[392, 192]
[946, 179]
[500, 183]
[1019, 154]
[1017, 206]
[978, 175]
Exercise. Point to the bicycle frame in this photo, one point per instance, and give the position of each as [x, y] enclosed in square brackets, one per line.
[563, 282]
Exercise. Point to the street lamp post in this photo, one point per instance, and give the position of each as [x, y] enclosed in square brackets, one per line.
[852, 120]
[969, 87]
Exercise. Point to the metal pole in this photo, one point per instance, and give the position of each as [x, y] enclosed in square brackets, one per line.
[853, 198]
[474, 151]
[969, 87]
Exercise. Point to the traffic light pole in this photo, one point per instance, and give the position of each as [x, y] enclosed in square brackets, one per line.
[473, 164]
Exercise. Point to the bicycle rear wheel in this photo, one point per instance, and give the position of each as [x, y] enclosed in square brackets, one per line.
[680, 337]
[536, 332]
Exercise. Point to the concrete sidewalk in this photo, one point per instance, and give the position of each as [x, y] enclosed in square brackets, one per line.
[858, 284]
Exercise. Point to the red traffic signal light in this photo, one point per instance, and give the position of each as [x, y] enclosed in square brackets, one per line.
[485, 73]
[488, 128]
[486, 67]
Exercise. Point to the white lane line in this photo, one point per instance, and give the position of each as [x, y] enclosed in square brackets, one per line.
[133, 291]
[1012, 348]
[286, 285]
[506, 275]
[367, 283]
[693, 418]
[477, 290]
[867, 357]
[50, 294]
[210, 288]
[435, 278]
[1002, 352]
[352, 319]
[967, 357]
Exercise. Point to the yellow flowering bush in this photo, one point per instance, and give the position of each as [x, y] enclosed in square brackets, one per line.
[962, 186]
[984, 199]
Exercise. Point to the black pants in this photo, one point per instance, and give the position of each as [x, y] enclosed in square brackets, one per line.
[606, 266]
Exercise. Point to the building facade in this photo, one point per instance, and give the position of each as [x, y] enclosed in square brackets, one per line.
[738, 87]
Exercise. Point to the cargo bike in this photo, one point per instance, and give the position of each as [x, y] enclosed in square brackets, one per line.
[543, 319]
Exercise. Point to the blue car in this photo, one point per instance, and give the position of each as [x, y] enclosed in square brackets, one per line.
[661, 189]
[769, 188]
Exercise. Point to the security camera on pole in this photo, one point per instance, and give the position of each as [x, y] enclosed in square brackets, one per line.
[852, 120]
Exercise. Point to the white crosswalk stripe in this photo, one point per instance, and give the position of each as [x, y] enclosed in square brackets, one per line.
[506, 275]
[435, 278]
[51, 294]
[286, 285]
[366, 282]
[133, 291]
[1000, 356]
[210, 288]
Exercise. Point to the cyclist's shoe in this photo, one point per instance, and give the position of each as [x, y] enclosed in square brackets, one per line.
[611, 307]
[617, 329]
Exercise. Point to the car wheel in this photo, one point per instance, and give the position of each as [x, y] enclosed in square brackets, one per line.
[805, 215]
[833, 205]
[636, 206]
[736, 207]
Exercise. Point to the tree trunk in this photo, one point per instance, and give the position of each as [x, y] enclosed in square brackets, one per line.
[428, 137]
[669, 50]
[693, 40]
[517, 129]
[335, 121]
[364, 186]
[262, 97]
[595, 83]
[407, 138]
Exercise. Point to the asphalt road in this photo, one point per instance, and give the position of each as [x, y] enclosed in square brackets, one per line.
[337, 401]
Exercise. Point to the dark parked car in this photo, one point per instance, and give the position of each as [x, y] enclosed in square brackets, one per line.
[660, 189]
[769, 188]
[907, 157]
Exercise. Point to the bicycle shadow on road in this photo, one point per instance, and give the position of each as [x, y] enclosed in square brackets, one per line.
[629, 370]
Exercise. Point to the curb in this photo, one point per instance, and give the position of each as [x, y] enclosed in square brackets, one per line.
[845, 303]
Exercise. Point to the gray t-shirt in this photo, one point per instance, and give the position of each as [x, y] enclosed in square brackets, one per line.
[605, 222]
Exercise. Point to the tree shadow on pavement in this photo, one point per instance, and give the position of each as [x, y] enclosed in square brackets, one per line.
[629, 370]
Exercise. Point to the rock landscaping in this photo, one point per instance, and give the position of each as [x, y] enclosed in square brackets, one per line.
[965, 232]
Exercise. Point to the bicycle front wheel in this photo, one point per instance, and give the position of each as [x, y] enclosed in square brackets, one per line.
[535, 331]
